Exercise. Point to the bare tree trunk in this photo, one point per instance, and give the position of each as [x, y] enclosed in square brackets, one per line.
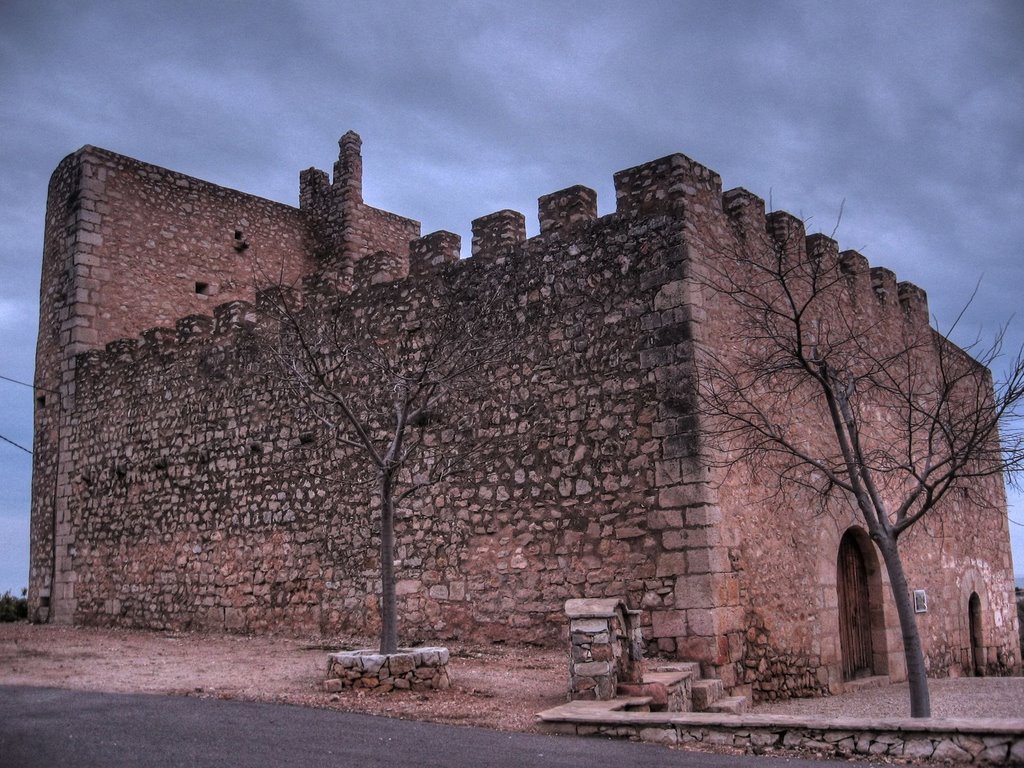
[914, 416]
[388, 612]
[920, 701]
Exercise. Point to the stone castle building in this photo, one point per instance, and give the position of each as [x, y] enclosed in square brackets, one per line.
[158, 500]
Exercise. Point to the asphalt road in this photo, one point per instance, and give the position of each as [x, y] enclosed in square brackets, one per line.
[51, 728]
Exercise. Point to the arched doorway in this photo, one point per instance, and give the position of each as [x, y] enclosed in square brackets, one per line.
[977, 646]
[855, 609]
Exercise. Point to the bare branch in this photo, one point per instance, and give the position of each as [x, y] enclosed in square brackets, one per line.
[845, 395]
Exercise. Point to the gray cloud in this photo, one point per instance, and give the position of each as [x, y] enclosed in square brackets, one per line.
[911, 115]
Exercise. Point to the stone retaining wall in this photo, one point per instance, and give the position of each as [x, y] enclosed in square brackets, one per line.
[414, 669]
[990, 742]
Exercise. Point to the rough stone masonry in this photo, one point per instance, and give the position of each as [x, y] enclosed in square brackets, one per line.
[164, 494]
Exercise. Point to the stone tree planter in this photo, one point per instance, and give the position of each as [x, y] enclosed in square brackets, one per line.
[415, 669]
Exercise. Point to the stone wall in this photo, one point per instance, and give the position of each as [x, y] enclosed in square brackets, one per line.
[187, 490]
[165, 245]
[778, 551]
[131, 246]
[52, 373]
[187, 471]
[128, 246]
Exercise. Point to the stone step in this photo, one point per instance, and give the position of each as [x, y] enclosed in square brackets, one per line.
[705, 693]
[631, 704]
[670, 677]
[692, 667]
[676, 684]
[599, 706]
[730, 705]
[656, 692]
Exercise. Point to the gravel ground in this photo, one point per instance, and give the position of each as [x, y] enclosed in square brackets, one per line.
[969, 697]
[494, 686]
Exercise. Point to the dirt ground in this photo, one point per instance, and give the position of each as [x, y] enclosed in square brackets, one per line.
[493, 687]
[497, 687]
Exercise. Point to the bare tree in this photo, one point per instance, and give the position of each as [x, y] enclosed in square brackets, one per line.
[889, 416]
[402, 382]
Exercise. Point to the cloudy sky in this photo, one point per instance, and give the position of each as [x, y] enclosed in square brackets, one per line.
[910, 116]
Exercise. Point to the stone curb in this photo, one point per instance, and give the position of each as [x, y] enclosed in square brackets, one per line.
[967, 741]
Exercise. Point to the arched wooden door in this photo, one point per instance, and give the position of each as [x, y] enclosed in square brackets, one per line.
[854, 610]
[977, 646]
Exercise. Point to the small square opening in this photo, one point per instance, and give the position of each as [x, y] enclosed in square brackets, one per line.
[203, 289]
[41, 401]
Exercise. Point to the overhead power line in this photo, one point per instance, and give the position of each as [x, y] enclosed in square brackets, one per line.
[26, 384]
[16, 445]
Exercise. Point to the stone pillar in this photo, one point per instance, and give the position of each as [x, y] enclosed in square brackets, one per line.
[348, 171]
[606, 647]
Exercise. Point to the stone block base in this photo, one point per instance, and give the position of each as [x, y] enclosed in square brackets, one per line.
[415, 669]
[987, 741]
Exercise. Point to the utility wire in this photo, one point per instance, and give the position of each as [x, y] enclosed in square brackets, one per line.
[16, 445]
[30, 386]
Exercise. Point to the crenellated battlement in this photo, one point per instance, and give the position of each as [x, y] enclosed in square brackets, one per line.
[496, 234]
[566, 209]
[822, 248]
[380, 267]
[234, 315]
[877, 285]
[314, 191]
[431, 253]
[156, 340]
[343, 234]
[788, 234]
[746, 212]
[341, 225]
[671, 185]
[914, 301]
[194, 327]
[427, 258]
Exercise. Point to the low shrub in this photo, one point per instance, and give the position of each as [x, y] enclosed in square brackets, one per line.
[13, 608]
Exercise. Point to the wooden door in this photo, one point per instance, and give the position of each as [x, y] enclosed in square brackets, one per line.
[854, 610]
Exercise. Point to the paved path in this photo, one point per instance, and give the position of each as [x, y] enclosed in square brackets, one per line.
[963, 697]
[54, 728]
